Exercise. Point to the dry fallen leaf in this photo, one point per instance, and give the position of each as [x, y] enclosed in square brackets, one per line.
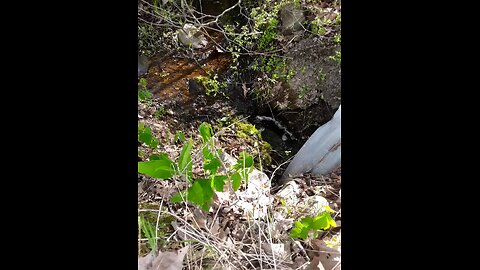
[275, 249]
[145, 263]
[316, 264]
[328, 258]
[200, 218]
[169, 260]
[215, 229]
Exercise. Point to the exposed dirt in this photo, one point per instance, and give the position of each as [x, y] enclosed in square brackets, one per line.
[168, 77]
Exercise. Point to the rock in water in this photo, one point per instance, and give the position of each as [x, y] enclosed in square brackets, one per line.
[321, 154]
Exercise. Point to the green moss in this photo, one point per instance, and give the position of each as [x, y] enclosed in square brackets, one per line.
[246, 130]
[212, 85]
[251, 135]
[265, 150]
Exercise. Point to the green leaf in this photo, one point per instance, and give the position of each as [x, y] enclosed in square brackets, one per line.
[212, 165]
[201, 193]
[148, 230]
[321, 222]
[206, 153]
[153, 143]
[219, 182]
[179, 136]
[144, 95]
[178, 197]
[236, 181]
[205, 131]
[184, 161]
[143, 82]
[331, 222]
[300, 231]
[154, 157]
[245, 161]
[328, 209]
[159, 156]
[145, 135]
[162, 168]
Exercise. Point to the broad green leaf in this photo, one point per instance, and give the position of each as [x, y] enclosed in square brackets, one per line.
[320, 222]
[154, 157]
[205, 131]
[323, 221]
[184, 161]
[307, 221]
[211, 162]
[206, 153]
[162, 168]
[307, 224]
[236, 181]
[219, 182]
[212, 165]
[153, 143]
[145, 135]
[300, 231]
[331, 222]
[159, 156]
[177, 197]
[201, 193]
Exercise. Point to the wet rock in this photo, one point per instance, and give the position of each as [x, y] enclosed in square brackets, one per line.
[291, 18]
[195, 88]
[191, 36]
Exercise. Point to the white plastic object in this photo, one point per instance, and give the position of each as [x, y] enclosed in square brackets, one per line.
[321, 154]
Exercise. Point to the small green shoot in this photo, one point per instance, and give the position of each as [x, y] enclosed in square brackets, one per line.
[179, 136]
[201, 191]
[148, 230]
[143, 93]
[145, 136]
[185, 160]
[160, 112]
[321, 75]
[321, 222]
[337, 57]
[205, 131]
